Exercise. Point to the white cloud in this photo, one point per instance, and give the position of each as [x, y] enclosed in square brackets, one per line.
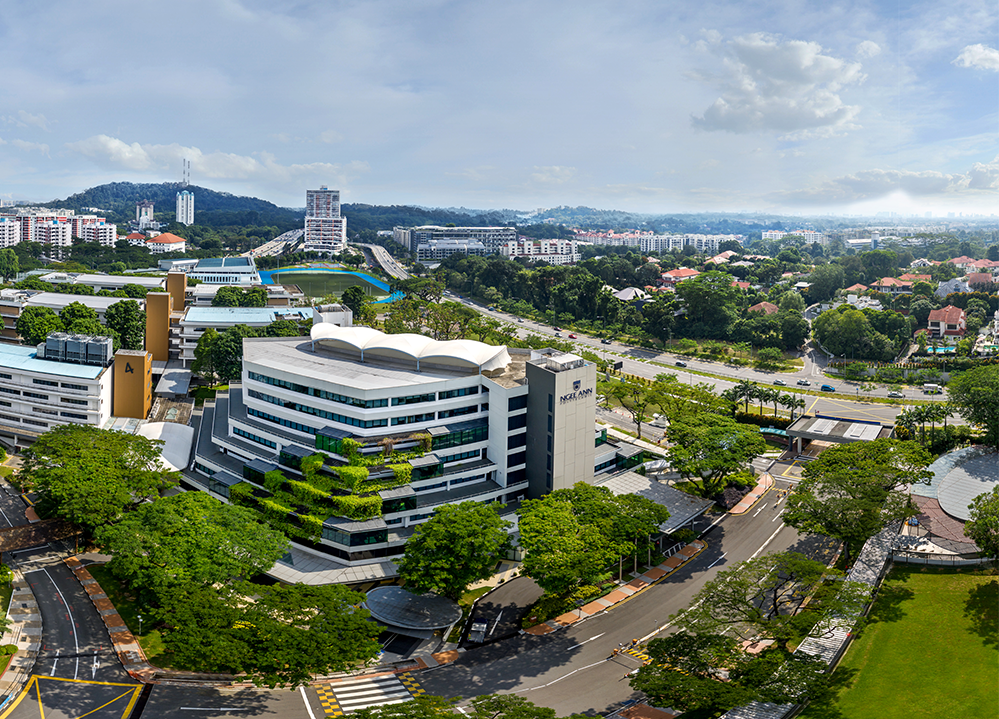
[553, 175]
[26, 119]
[868, 48]
[111, 151]
[790, 88]
[330, 137]
[875, 184]
[981, 56]
[29, 146]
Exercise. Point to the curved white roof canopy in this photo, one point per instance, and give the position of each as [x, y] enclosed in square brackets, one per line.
[459, 353]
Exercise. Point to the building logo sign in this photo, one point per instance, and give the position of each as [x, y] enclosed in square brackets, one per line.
[576, 394]
[575, 385]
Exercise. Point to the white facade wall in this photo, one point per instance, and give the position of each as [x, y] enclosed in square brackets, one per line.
[37, 401]
[185, 207]
[10, 232]
[103, 233]
[56, 236]
[159, 248]
[325, 228]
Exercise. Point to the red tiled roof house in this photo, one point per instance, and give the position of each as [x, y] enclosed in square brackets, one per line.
[947, 321]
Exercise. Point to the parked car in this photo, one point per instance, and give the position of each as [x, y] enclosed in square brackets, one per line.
[572, 336]
[827, 388]
[605, 341]
[804, 383]
[780, 383]
[896, 395]
[520, 320]
[680, 363]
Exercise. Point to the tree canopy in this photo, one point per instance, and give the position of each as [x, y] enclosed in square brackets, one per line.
[91, 476]
[281, 635]
[459, 545]
[189, 537]
[975, 395]
[983, 525]
[853, 491]
[571, 536]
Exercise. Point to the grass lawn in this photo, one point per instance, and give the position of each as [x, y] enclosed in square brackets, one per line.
[150, 640]
[931, 649]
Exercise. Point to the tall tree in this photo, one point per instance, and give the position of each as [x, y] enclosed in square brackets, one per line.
[34, 324]
[189, 537]
[204, 354]
[635, 398]
[91, 476]
[128, 321]
[9, 264]
[853, 491]
[281, 635]
[459, 545]
[766, 596]
[711, 447]
[983, 525]
[975, 396]
[227, 352]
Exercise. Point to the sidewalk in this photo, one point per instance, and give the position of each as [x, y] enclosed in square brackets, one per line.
[25, 631]
[747, 503]
[623, 592]
[614, 432]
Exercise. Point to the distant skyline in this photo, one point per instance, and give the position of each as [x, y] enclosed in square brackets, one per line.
[643, 106]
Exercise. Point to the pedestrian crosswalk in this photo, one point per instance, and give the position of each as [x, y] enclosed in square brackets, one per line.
[341, 698]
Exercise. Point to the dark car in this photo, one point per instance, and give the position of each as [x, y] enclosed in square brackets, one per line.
[680, 363]
[605, 342]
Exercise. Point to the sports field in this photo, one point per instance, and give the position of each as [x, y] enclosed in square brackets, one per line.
[930, 649]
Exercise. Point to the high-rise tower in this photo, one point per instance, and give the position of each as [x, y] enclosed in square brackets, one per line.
[185, 207]
[325, 229]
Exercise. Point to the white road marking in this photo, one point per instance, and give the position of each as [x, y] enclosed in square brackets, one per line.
[72, 622]
[586, 640]
[305, 700]
[756, 553]
[760, 509]
[211, 709]
[777, 516]
[717, 560]
[93, 670]
[496, 624]
[55, 661]
[711, 526]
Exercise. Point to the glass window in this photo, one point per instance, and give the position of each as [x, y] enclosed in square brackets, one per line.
[463, 392]
[45, 382]
[81, 387]
[516, 422]
[414, 399]
[460, 411]
[517, 440]
[516, 403]
[413, 418]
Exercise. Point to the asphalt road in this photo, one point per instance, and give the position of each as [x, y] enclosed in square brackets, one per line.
[75, 643]
[384, 259]
[571, 670]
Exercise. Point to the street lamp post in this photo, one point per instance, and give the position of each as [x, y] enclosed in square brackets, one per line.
[140, 625]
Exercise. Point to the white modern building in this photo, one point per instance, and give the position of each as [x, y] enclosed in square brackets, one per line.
[10, 231]
[110, 283]
[431, 423]
[198, 319]
[240, 271]
[554, 252]
[436, 250]
[325, 228]
[56, 236]
[37, 394]
[185, 207]
[103, 233]
[144, 215]
[491, 238]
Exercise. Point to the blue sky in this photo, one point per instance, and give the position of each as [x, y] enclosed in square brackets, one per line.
[636, 105]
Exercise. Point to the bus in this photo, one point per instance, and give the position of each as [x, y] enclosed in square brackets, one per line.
[932, 389]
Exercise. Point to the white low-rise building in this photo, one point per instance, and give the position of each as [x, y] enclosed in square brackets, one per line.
[198, 319]
[37, 394]
[166, 242]
[554, 252]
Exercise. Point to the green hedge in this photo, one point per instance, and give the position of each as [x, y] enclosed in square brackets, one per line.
[306, 493]
[351, 476]
[357, 508]
[761, 420]
[312, 525]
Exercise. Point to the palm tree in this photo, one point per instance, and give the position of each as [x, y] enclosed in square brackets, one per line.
[794, 403]
[747, 391]
[733, 398]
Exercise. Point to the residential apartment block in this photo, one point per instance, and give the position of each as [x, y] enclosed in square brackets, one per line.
[325, 228]
[491, 238]
[554, 252]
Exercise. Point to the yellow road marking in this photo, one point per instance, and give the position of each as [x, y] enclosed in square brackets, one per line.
[41, 707]
[83, 681]
[110, 702]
